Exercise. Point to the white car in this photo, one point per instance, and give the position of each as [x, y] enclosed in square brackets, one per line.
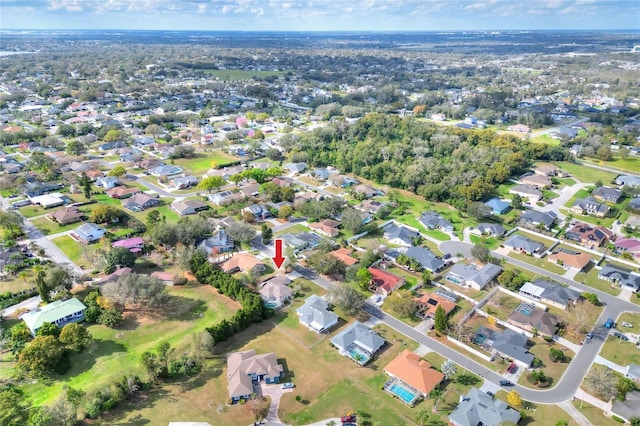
[626, 324]
[288, 385]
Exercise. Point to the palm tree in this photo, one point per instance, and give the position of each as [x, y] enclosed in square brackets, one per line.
[422, 417]
[436, 394]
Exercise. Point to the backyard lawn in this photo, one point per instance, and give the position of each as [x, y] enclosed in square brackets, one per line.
[16, 284]
[117, 351]
[201, 162]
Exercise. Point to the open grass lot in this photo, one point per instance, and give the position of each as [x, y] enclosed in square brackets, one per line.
[541, 414]
[633, 319]
[201, 162]
[594, 414]
[438, 235]
[586, 174]
[16, 284]
[105, 199]
[570, 320]
[545, 139]
[49, 227]
[536, 236]
[33, 211]
[117, 352]
[555, 370]
[501, 305]
[590, 278]
[540, 263]
[297, 228]
[621, 352]
[230, 75]
[463, 306]
[628, 165]
[75, 250]
[490, 242]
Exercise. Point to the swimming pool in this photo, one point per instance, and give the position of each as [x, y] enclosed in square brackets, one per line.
[403, 393]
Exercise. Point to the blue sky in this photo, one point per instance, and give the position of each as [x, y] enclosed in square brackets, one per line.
[320, 15]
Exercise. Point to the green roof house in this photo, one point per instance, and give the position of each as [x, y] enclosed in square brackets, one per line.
[59, 313]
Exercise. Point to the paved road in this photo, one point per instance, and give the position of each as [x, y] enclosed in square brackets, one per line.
[556, 128]
[28, 304]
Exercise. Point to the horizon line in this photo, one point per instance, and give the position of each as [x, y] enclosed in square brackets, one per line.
[322, 31]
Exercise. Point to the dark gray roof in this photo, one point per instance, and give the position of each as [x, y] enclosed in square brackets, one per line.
[478, 408]
[556, 292]
[392, 232]
[520, 242]
[492, 228]
[359, 334]
[622, 276]
[535, 217]
[628, 408]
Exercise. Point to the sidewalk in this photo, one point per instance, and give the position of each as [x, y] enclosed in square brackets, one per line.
[575, 414]
[612, 365]
[567, 344]
[604, 406]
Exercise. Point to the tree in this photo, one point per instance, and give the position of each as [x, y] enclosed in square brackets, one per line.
[604, 153]
[119, 257]
[14, 408]
[634, 421]
[348, 299]
[267, 233]
[511, 279]
[327, 264]
[624, 386]
[592, 298]
[422, 417]
[602, 381]
[73, 397]
[48, 329]
[435, 394]
[153, 218]
[110, 317]
[257, 406]
[133, 288]
[104, 213]
[556, 355]
[117, 171]
[516, 201]
[449, 369]
[211, 183]
[76, 148]
[41, 285]
[285, 212]
[478, 210]
[41, 356]
[74, 337]
[352, 220]
[480, 252]
[60, 276]
[364, 278]
[514, 399]
[440, 320]
[85, 183]
[241, 232]
[402, 303]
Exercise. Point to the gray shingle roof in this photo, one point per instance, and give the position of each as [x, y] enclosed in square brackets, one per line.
[478, 408]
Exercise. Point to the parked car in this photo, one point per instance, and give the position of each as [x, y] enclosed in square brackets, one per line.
[288, 385]
[626, 324]
[610, 323]
[490, 394]
[505, 383]
[512, 369]
[620, 336]
[349, 418]
[589, 336]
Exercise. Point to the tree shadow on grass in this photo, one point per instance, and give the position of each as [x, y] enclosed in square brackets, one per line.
[468, 380]
[139, 401]
[211, 371]
[86, 360]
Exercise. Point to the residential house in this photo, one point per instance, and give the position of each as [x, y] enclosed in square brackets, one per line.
[275, 292]
[48, 201]
[537, 181]
[367, 191]
[219, 243]
[570, 260]
[433, 220]
[93, 173]
[295, 167]
[589, 206]
[342, 181]
[303, 197]
[634, 204]
[183, 182]
[140, 202]
[88, 233]
[589, 236]
[470, 275]
[633, 372]
[400, 235]
[547, 170]
[246, 368]
[528, 192]
[149, 164]
[506, 344]
[165, 278]
[344, 254]
[321, 174]
[629, 407]
[358, 342]
[606, 194]
[523, 244]
[134, 245]
[498, 206]
[535, 219]
[66, 216]
[115, 275]
[413, 372]
[250, 190]
[224, 198]
[478, 408]
[327, 227]
[527, 317]
[122, 192]
[259, 212]
[622, 277]
[165, 170]
[281, 182]
[627, 245]
[301, 241]
[428, 303]
[59, 313]
[184, 208]
[491, 229]
[422, 255]
[550, 293]
[315, 314]
[225, 172]
[383, 282]
[630, 180]
[520, 128]
[243, 262]
[107, 182]
[371, 206]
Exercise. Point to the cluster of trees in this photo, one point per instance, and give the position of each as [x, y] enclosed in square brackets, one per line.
[409, 262]
[135, 289]
[112, 395]
[118, 257]
[348, 299]
[252, 306]
[317, 210]
[402, 303]
[49, 351]
[11, 223]
[325, 263]
[54, 283]
[557, 355]
[512, 279]
[277, 193]
[186, 231]
[606, 384]
[164, 363]
[100, 310]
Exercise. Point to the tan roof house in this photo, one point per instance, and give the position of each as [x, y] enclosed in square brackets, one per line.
[246, 368]
[243, 262]
[65, 216]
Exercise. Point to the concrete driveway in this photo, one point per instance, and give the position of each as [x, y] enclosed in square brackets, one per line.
[275, 392]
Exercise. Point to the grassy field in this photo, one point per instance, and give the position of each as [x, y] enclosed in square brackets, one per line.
[621, 352]
[586, 174]
[74, 250]
[540, 263]
[594, 414]
[105, 199]
[16, 284]
[230, 75]
[49, 227]
[117, 351]
[590, 278]
[629, 164]
[555, 370]
[202, 162]
[546, 139]
[633, 319]
[437, 234]
[490, 242]
[581, 193]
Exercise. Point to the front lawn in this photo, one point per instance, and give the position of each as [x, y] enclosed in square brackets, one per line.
[590, 278]
[594, 414]
[621, 352]
[540, 263]
[490, 242]
[201, 162]
[49, 227]
[555, 370]
[75, 250]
